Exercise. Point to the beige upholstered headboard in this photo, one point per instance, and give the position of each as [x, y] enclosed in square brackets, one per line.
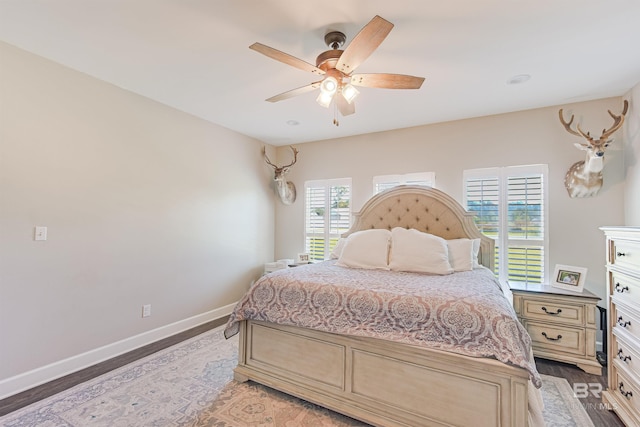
[425, 209]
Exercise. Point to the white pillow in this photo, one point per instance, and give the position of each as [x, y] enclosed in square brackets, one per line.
[366, 249]
[476, 251]
[458, 253]
[461, 254]
[415, 251]
[337, 249]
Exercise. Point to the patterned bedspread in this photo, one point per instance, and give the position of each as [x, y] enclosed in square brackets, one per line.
[464, 312]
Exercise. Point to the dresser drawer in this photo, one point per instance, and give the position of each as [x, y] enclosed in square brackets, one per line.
[624, 319]
[625, 288]
[552, 311]
[625, 253]
[626, 391]
[556, 338]
[626, 354]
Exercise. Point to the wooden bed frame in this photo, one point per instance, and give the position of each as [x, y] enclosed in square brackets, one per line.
[385, 383]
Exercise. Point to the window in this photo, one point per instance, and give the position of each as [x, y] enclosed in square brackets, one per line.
[511, 206]
[384, 182]
[327, 215]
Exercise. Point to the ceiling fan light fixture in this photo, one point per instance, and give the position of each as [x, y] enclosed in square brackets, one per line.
[336, 66]
[349, 92]
[324, 99]
[329, 85]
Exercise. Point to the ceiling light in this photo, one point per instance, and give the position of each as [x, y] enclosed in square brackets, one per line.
[329, 85]
[520, 78]
[349, 92]
[324, 99]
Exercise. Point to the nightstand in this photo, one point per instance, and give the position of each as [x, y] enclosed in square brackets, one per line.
[562, 324]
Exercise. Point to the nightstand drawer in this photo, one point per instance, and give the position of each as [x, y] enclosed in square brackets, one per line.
[546, 337]
[625, 288]
[562, 324]
[549, 310]
[625, 253]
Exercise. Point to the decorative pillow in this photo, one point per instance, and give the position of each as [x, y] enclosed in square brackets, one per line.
[415, 251]
[337, 249]
[366, 249]
[463, 253]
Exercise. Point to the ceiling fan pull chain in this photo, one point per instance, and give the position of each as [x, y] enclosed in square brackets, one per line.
[335, 114]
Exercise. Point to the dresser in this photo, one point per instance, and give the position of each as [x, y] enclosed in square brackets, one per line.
[623, 295]
[561, 323]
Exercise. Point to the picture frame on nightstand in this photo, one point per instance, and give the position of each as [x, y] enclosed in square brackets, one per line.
[302, 258]
[569, 277]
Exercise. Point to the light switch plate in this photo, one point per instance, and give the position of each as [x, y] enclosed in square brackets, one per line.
[41, 233]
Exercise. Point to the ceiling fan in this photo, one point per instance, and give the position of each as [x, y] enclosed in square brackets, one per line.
[337, 67]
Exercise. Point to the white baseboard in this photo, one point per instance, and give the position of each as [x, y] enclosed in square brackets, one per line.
[44, 374]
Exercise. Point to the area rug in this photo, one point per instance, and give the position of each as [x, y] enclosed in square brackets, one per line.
[191, 384]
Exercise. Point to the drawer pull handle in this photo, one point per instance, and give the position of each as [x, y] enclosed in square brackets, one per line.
[544, 334]
[551, 313]
[620, 289]
[623, 324]
[623, 357]
[626, 394]
[620, 254]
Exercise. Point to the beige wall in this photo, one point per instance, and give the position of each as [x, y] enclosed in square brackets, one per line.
[144, 205]
[526, 137]
[148, 205]
[631, 158]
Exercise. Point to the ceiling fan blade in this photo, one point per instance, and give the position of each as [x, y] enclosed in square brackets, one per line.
[387, 81]
[343, 106]
[285, 58]
[363, 44]
[294, 92]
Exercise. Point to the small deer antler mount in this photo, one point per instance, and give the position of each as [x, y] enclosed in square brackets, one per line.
[584, 178]
[286, 189]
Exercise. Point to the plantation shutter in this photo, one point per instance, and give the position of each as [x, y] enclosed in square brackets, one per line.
[483, 198]
[384, 182]
[327, 215]
[339, 213]
[381, 186]
[525, 222]
[510, 206]
[315, 221]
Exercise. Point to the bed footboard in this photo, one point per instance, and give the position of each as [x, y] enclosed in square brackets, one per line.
[380, 382]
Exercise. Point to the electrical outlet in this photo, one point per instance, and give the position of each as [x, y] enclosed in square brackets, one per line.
[146, 310]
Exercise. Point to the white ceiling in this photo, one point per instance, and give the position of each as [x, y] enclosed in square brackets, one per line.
[193, 55]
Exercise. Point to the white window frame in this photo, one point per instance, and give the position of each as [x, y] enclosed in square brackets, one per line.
[502, 174]
[326, 234]
[418, 178]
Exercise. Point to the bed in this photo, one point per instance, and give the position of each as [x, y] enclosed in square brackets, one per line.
[329, 355]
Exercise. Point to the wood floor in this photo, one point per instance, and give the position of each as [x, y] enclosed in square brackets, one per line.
[599, 415]
[28, 397]
[595, 408]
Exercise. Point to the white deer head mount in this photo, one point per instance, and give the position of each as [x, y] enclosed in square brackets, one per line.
[584, 178]
[286, 189]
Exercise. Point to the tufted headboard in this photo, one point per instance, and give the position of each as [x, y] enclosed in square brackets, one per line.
[425, 209]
